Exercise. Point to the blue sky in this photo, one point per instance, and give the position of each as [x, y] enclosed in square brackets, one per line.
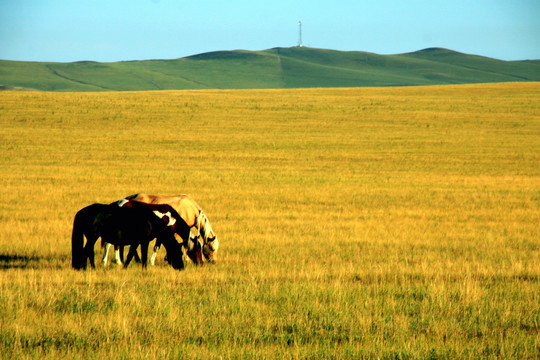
[115, 30]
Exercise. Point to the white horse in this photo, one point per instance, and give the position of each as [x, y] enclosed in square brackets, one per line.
[206, 243]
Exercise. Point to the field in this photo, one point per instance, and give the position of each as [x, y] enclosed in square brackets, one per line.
[393, 223]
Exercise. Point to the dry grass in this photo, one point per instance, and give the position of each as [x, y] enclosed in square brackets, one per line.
[391, 223]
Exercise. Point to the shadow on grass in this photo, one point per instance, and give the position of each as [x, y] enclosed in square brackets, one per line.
[16, 261]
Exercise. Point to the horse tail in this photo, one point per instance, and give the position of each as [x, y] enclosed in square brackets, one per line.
[77, 241]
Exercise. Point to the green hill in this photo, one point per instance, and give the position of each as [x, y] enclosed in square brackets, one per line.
[274, 68]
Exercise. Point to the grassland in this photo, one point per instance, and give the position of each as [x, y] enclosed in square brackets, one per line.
[269, 69]
[395, 223]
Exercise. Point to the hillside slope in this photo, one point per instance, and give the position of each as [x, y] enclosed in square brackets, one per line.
[274, 68]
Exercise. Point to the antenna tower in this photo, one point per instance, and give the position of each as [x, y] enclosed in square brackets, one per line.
[300, 34]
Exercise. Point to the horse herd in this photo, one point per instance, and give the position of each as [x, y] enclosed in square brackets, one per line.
[136, 221]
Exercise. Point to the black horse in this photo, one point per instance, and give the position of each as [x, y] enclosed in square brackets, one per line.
[172, 219]
[120, 226]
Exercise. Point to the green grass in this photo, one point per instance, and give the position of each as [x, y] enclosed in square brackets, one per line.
[395, 223]
[269, 69]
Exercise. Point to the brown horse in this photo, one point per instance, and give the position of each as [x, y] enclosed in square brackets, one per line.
[172, 219]
[194, 217]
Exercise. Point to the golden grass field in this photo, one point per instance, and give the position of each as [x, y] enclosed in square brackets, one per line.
[392, 223]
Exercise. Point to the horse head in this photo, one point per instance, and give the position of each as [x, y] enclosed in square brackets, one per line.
[174, 255]
[194, 249]
[210, 241]
[210, 250]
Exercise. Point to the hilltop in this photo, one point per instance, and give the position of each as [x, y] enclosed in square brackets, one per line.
[273, 68]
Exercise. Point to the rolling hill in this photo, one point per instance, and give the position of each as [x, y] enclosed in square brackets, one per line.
[273, 68]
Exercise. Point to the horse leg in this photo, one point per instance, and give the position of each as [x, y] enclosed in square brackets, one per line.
[154, 254]
[90, 252]
[105, 254]
[132, 251]
[136, 256]
[84, 258]
[118, 254]
[144, 253]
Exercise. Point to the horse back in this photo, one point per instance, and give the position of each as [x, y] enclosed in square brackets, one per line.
[85, 219]
[167, 211]
[184, 205]
[121, 225]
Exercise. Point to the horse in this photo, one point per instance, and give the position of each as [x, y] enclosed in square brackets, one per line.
[193, 215]
[121, 226]
[172, 219]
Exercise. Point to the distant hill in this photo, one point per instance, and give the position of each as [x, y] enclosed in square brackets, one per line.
[293, 67]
